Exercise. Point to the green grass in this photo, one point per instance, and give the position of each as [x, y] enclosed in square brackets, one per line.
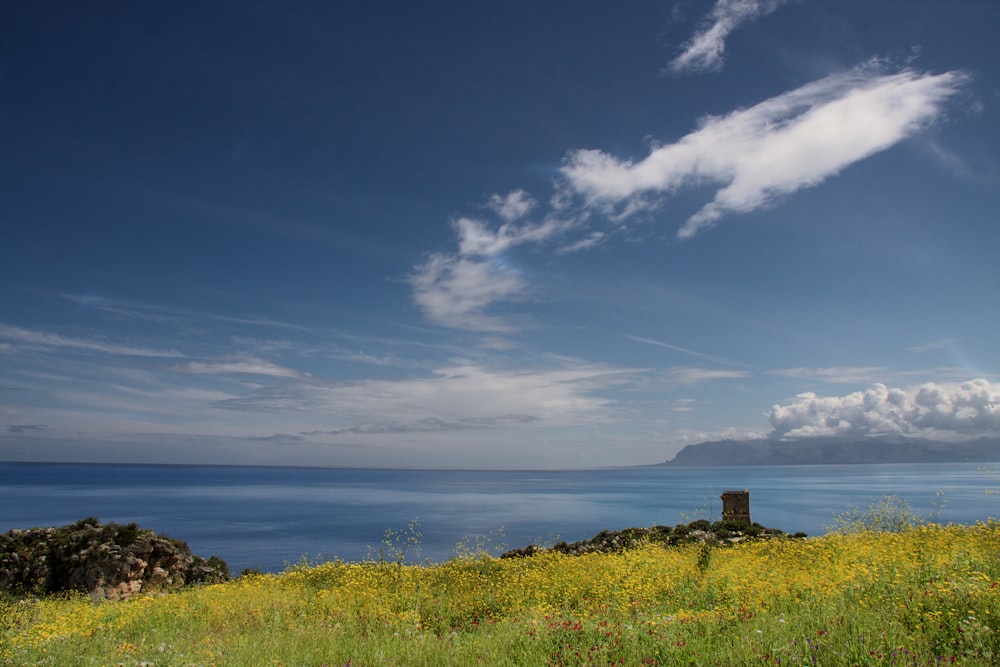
[926, 595]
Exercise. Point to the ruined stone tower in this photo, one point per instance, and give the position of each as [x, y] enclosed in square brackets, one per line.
[736, 506]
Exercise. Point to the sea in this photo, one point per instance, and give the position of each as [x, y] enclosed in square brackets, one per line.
[271, 518]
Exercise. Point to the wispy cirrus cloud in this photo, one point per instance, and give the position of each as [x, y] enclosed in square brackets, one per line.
[682, 350]
[704, 51]
[793, 141]
[592, 240]
[466, 395]
[430, 425]
[166, 314]
[835, 374]
[932, 346]
[19, 338]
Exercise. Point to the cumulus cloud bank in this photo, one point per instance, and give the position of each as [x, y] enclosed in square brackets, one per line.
[704, 51]
[793, 141]
[930, 410]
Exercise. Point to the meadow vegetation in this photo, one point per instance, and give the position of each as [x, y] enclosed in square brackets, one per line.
[905, 593]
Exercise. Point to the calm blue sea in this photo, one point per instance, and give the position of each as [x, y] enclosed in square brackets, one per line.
[268, 518]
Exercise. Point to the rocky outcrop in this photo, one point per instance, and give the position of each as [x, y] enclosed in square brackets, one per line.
[110, 562]
[720, 533]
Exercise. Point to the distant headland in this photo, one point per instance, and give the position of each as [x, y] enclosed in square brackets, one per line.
[835, 450]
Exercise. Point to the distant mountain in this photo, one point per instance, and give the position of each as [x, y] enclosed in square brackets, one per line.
[824, 450]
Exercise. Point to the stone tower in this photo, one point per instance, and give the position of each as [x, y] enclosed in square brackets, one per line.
[736, 506]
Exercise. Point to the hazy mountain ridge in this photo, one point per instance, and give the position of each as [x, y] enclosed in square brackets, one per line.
[833, 450]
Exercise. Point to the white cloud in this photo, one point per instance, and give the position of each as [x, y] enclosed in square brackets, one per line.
[757, 155]
[587, 242]
[693, 375]
[467, 395]
[456, 291]
[684, 405]
[789, 142]
[513, 206]
[931, 410]
[476, 239]
[931, 347]
[693, 436]
[704, 51]
[241, 367]
[248, 397]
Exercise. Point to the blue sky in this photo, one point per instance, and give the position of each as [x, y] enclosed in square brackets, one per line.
[477, 234]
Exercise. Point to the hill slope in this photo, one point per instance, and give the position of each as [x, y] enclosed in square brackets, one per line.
[814, 451]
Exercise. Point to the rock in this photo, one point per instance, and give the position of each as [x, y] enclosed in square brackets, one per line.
[529, 550]
[110, 562]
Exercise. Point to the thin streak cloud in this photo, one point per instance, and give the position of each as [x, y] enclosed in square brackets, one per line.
[682, 350]
[241, 367]
[162, 314]
[18, 337]
[694, 375]
[837, 375]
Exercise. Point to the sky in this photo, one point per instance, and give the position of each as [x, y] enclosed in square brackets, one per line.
[526, 234]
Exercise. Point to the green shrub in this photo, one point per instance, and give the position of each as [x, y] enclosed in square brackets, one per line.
[889, 514]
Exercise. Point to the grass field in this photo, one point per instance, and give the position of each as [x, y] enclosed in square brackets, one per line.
[927, 595]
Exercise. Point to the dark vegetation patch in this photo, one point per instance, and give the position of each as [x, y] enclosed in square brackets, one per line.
[720, 533]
